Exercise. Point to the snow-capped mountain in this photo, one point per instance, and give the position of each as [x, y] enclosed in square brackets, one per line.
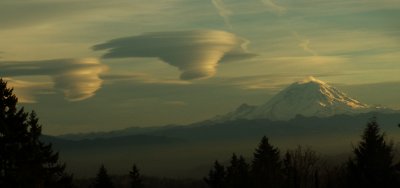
[310, 97]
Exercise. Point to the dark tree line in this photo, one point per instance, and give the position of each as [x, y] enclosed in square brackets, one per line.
[372, 166]
[103, 180]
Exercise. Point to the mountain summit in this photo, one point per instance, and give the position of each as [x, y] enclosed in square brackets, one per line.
[309, 97]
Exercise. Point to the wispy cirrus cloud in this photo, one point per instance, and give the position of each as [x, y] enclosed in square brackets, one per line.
[195, 53]
[305, 44]
[223, 11]
[77, 79]
[273, 7]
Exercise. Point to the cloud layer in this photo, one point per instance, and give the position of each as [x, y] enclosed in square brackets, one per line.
[195, 53]
[27, 90]
[77, 79]
[222, 11]
[273, 7]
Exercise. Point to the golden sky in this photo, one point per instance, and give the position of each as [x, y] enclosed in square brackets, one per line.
[96, 65]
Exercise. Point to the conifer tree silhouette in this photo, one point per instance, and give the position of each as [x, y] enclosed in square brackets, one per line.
[102, 179]
[25, 161]
[372, 164]
[216, 176]
[237, 175]
[136, 178]
[266, 167]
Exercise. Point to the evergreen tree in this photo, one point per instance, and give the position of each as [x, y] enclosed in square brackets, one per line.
[102, 179]
[266, 167]
[237, 175]
[25, 161]
[216, 176]
[372, 164]
[136, 178]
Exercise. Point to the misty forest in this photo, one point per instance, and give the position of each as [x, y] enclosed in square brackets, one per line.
[29, 159]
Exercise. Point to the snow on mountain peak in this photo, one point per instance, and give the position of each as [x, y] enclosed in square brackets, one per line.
[309, 79]
[309, 97]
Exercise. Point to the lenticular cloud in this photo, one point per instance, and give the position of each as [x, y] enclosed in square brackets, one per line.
[77, 79]
[195, 53]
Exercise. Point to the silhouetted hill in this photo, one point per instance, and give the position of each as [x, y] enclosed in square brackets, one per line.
[186, 151]
[111, 142]
[114, 133]
[244, 128]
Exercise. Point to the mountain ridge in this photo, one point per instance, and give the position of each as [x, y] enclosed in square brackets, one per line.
[309, 97]
[159, 151]
[330, 95]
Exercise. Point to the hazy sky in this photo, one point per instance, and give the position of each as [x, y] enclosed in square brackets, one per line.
[96, 65]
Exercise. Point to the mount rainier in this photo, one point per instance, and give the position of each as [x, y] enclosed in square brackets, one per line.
[310, 97]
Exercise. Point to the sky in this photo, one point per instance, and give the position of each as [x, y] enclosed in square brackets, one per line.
[100, 65]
